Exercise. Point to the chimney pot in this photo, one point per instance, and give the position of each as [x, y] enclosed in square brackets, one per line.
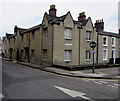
[82, 16]
[52, 10]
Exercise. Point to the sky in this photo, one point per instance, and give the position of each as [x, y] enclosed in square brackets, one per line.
[28, 13]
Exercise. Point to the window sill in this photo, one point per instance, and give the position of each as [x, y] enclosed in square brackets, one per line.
[104, 59]
[113, 46]
[88, 40]
[88, 59]
[105, 45]
[67, 60]
[68, 38]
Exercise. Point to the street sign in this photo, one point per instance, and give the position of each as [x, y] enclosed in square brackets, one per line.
[92, 51]
[92, 44]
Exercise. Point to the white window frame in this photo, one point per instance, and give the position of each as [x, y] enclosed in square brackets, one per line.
[67, 55]
[68, 33]
[88, 35]
[106, 54]
[88, 55]
[113, 42]
[106, 41]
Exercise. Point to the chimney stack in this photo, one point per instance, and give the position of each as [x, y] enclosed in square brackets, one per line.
[15, 29]
[82, 16]
[99, 25]
[52, 10]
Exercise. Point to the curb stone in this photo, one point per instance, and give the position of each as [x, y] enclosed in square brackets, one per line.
[65, 74]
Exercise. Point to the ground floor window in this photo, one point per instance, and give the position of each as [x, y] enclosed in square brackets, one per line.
[45, 54]
[67, 55]
[32, 53]
[88, 54]
[105, 52]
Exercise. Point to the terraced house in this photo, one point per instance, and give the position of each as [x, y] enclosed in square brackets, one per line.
[63, 41]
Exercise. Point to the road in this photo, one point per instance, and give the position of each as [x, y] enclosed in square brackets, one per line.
[22, 82]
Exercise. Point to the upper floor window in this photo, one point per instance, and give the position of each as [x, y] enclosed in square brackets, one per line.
[67, 55]
[33, 35]
[26, 36]
[105, 41]
[113, 41]
[88, 35]
[119, 42]
[88, 54]
[14, 40]
[45, 33]
[68, 33]
[22, 38]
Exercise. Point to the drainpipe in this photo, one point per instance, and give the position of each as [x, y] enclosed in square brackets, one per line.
[41, 39]
[29, 48]
[97, 47]
[52, 41]
[79, 27]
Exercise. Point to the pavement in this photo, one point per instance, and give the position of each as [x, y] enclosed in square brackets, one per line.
[102, 73]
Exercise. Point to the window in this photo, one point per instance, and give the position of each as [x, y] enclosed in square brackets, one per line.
[68, 33]
[88, 54]
[22, 38]
[45, 54]
[14, 40]
[105, 54]
[26, 36]
[21, 53]
[32, 53]
[113, 41]
[105, 41]
[67, 55]
[45, 33]
[33, 35]
[119, 42]
[88, 35]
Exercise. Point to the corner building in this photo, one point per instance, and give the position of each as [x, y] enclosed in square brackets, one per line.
[63, 41]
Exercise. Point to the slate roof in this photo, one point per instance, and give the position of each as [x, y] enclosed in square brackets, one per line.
[109, 34]
[30, 29]
[9, 35]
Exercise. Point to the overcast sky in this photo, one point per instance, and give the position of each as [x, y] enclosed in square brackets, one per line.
[27, 13]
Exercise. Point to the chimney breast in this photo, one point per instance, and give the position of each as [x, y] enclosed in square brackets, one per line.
[82, 16]
[52, 10]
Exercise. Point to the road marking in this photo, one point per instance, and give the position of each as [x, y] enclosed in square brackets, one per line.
[116, 85]
[113, 86]
[118, 76]
[86, 80]
[98, 82]
[102, 81]
[1, 96]
[72, 93]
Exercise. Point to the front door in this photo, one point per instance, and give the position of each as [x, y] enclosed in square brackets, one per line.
[113, 55]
